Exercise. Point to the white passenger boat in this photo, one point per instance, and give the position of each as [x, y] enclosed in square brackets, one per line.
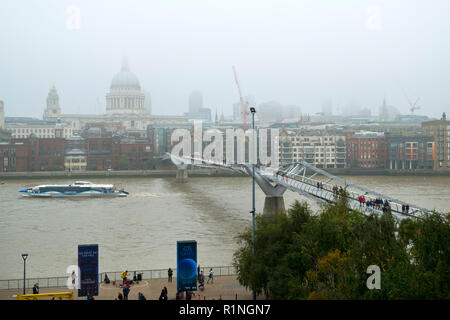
[77, 189]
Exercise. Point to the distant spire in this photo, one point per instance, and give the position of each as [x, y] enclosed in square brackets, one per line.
[125, 67]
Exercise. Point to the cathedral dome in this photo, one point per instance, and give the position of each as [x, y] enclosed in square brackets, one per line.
[125, 80]
[125, 96]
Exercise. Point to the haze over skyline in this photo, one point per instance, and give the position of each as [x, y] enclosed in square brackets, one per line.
[294, 52]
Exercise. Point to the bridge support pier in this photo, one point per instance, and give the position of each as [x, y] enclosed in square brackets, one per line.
[274, 201]
[273, 205]
[182, 175]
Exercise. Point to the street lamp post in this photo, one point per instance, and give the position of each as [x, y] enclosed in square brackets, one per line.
[253, 111]
[24, 257]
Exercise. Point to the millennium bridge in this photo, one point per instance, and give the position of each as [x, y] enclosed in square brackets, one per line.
[308, 181]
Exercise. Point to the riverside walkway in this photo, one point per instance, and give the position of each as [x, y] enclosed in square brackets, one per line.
[226, 286]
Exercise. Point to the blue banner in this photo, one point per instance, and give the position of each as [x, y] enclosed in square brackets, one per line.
[88, 264]
[187, 265]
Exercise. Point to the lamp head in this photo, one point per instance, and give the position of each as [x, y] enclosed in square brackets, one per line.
[252, 110]
[24, 256]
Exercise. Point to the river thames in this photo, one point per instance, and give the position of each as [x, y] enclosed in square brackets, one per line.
[140, 231]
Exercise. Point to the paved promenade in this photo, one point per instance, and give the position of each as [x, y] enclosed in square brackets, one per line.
[226, 286]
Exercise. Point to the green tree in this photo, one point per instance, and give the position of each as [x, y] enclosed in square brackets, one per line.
[304, 255]
[124, 162]
[151, 163]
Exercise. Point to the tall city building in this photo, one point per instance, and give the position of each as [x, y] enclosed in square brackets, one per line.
[2, 115]
[125, 94]
[327, 108]
[53, 110]
[196, 110]
[238, 113]
[195, 102]
[148, 102]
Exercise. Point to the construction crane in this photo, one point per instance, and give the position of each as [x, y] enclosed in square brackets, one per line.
[413, 106]
[244, 104]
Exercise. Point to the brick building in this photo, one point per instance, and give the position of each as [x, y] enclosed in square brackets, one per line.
[100, 153]
[33, 154]
[118, 153]
[135, 154]
[366, 149]
[14, 156]
[50, 154]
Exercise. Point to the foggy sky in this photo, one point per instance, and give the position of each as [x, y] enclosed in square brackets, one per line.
[295, 52]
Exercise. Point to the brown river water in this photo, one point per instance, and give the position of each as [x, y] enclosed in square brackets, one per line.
[141, 230]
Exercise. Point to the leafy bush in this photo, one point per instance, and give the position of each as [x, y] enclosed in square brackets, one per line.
[302, 255]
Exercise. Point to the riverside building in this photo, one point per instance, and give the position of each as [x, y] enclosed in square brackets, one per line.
[320, 148]
[440, 131]
[366, 149]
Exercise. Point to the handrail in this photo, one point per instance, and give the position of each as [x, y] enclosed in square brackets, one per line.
[149, 274]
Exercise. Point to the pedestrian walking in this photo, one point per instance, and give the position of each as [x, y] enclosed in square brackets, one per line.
[211, 276]
[124, 275]
[119, 296]
[170, 273]
[36, 289]
[74, 277]
[126, 291]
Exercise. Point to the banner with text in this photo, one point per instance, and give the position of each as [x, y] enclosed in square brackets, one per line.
[88, 264]
[187, 265]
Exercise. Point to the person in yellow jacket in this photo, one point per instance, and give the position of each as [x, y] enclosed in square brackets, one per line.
[123, 275]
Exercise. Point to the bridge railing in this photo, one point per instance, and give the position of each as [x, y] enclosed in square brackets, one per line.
[58, 282]
[163, 273]
[311, 187]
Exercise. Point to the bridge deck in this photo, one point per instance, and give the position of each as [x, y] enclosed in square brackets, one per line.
[325, 193]
[295, 178]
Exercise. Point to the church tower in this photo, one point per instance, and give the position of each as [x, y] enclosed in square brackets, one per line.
[53, 110]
